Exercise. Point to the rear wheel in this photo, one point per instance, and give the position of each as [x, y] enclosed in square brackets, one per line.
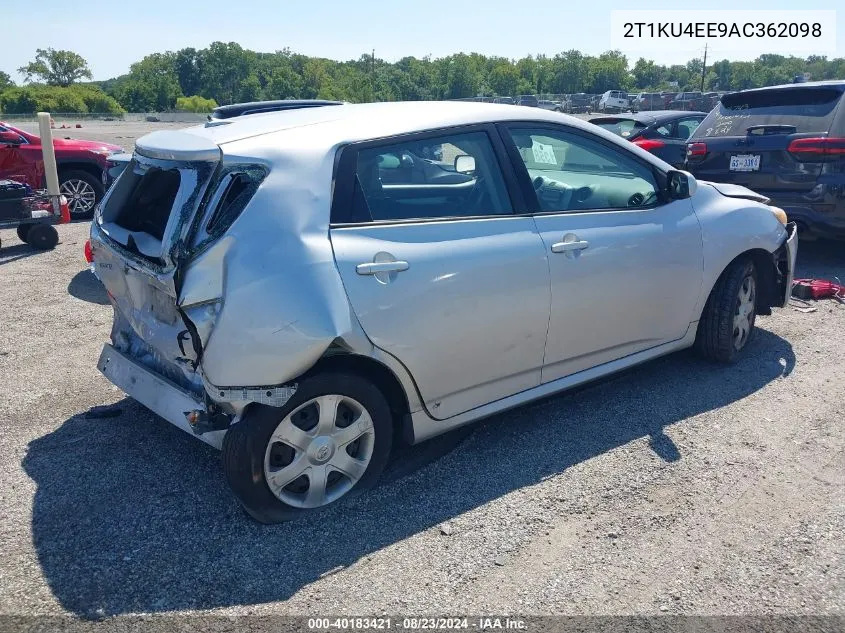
[331, 440]
[44, 237]
[23, 231]
[727, 323]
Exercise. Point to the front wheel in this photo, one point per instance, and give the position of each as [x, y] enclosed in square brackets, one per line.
[727, 323]
[331, 440]
[82, 190]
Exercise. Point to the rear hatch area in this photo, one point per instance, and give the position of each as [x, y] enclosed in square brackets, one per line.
[770, 140]
[141, 240]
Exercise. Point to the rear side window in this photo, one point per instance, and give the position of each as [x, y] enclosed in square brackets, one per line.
[456, 175]
[240, 184]
[807, 110]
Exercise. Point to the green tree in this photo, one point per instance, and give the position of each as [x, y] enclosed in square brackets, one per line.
[151, 85]
[284, 83]
[570, 72]
[609, 71]
[56, 68]
[5, 81]
[647, 74]
[503, 79]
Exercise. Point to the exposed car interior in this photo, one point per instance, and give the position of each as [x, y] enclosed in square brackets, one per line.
[572, 175]
[419, 180]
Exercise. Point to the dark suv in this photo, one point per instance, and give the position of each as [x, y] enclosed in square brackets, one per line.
[785, 142]
[688, 101]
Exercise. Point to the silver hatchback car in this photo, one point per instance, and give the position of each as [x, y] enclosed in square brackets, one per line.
[304, 289]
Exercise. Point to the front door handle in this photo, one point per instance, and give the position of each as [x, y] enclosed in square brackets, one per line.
[373, 268]
[566, 247]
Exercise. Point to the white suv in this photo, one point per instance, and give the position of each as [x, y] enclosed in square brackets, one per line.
[614, 101]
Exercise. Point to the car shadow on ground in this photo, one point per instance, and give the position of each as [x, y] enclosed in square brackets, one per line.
[87, 287]
[9, 254]
[133, 515]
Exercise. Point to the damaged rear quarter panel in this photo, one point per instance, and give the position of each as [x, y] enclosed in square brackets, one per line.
[283, 301]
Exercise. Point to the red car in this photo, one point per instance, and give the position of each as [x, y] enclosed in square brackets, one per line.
[81, 165]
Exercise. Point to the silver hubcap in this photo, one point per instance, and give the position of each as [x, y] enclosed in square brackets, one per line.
[81, 196]
[319, 451]
[744, 316]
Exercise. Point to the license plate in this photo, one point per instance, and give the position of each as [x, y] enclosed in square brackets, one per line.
[745, 162]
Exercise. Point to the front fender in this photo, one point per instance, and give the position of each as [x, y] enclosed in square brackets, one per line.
[732, 226]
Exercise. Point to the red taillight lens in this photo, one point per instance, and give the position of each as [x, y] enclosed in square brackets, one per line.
[89, 252]
[649, 144]
[696, 149]
[818, 148]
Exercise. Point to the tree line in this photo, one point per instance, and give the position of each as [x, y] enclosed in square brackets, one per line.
[198, 79]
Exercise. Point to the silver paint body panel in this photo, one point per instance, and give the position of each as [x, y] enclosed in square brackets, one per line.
[466, 326]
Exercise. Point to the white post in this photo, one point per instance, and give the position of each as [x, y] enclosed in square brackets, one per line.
[51, 172]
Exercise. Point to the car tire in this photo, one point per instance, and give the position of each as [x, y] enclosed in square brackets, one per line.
[23, 231]
[85, 186]
[44, 237]
[252, 446]
[727, 322]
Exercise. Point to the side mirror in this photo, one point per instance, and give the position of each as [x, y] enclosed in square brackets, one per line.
[680, 184]
[10, 138]
[464, 164]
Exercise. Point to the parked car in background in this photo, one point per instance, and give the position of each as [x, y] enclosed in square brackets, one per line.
[710, 100]
[554, 106]
[577, 103]
[646, 101]
[613, 101]
[505, 100]
[690, 101]
[784, 142]
[664, 133]
[80, 164]
[528, 100]
[315, 287]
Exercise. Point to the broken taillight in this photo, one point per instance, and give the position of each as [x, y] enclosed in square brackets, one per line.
[89, 252]
[649, 144]
[817, 148]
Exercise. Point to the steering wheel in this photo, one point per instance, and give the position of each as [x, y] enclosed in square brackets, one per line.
[636, 200]
[552, 195]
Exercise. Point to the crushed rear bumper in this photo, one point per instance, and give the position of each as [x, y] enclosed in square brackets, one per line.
[155, 392]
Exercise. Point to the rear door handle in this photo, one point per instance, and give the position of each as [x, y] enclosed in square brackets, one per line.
[565, 247]
[373, 268]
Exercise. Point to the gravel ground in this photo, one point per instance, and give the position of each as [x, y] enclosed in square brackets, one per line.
[678, 487]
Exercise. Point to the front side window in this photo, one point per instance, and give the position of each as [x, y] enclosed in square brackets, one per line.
[686, 127]
[570, 172]
[453, 176]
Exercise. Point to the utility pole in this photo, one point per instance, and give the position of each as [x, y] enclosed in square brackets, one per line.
[704, 67]
[373, 74]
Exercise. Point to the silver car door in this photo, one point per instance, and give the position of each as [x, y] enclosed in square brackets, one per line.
[626, 265]
[439, 271]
